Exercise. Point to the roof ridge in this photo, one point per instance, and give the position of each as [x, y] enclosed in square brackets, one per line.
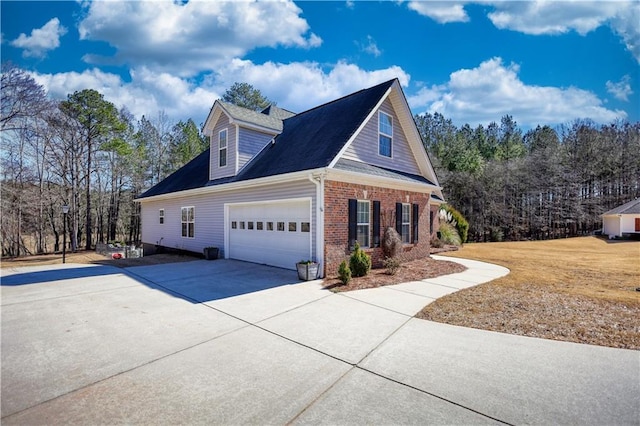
[389, 82]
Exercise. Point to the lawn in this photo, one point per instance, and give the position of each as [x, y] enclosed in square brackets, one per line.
[579, 290]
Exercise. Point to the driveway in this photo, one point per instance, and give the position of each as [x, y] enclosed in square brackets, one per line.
[228, 342]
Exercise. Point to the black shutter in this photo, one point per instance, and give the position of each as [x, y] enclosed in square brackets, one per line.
[430, 221]
[414, 222]
[376, 223]
[353, 222]
[399, 218]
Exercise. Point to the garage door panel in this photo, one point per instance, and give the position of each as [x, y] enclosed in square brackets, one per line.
[282, 248]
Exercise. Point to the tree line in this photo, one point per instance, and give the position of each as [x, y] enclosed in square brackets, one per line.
[543, 183]
[84, 153]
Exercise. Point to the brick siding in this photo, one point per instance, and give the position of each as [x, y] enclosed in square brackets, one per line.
[336, 219]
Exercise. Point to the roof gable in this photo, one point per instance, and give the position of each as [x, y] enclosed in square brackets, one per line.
[271, 123]
[313, 138]
[400, 106]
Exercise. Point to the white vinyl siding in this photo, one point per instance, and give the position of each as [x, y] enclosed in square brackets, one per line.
[385, 134]
[365, 146]
[222, 147]
[363, 223]
[406, 223]
[251, 142]
[209, 209]
[188, 221]
[215, 171]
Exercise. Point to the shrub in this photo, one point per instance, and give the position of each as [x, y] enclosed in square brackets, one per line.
[436, 242]
[496, 234]
[344, 273]
[392, 265]
[360, 262]
[391, 242]
[454, 217]
[448, 234]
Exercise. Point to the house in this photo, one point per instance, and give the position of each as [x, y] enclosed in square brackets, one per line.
[276, 187]
[622, 220]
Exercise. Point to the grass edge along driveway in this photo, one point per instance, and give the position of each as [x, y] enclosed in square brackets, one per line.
[579, 290]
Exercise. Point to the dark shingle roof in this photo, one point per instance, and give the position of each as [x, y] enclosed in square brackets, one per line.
[632, 207]
[309, 140]
[276, 112]
[194, 174]
[313, 138]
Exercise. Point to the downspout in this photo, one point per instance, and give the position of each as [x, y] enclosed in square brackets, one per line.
[318, 181]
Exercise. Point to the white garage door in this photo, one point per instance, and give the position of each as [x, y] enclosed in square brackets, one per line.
[274, 233]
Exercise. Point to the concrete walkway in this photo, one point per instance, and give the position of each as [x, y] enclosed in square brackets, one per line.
[227, 342]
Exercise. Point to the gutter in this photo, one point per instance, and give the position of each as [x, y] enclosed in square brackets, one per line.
[318, 181]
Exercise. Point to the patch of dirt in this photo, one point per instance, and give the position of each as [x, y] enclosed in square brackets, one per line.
[91, 257]
[409, 271]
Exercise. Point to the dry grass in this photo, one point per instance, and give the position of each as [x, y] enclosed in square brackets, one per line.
[580, 290]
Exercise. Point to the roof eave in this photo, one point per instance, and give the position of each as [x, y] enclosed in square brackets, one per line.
[386, 182]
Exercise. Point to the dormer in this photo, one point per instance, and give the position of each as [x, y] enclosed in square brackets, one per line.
[236, 134]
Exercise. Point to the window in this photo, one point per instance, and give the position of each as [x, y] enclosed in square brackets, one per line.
[259, 226]
[406, 223]
[292, 226]
[362, 225]
[269, 226]
[305, 227]
[250, 225]
[242, 224]
[234, 225]
[188, 222]
[280, 226]
[385, 134]
[161, 216]
[222, 148]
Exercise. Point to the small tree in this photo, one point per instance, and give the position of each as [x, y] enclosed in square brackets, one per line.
[360, 262]
[344, 273]
[246, 96]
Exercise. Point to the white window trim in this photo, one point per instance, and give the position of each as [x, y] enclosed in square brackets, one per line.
[225, 147]
[407, 206]
[188, 221]
[367, 224]
[390, 136]
[161, 216]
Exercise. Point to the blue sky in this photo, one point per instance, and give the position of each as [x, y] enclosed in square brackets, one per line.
[543, 62]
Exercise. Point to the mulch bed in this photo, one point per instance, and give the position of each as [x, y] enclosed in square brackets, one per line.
[415, 270]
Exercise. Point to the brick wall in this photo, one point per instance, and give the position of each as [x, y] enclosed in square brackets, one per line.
[336, 218]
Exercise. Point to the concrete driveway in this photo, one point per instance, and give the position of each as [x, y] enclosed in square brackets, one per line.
[229, 342]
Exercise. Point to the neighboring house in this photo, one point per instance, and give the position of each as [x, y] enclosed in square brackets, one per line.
[277, 187]
[622, 220]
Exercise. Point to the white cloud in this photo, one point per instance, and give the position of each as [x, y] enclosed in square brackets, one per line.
[296, 86]
[41, 40]
[486, 93]
[620, 90]
[189, 38]
[548, 17]
[559, 17]
[443, 12]
[552, 17]
[370, 47]
[303, 85]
